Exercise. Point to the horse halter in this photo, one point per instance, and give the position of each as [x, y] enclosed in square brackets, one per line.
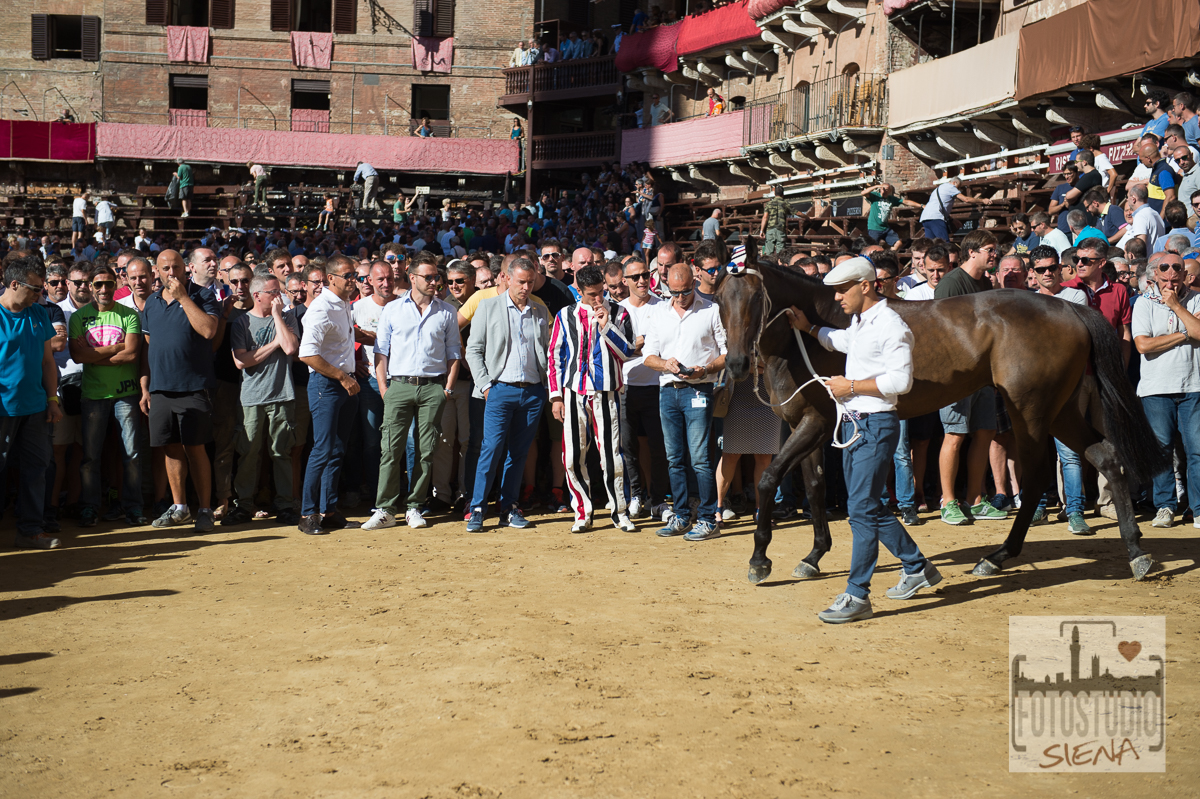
[767, 321]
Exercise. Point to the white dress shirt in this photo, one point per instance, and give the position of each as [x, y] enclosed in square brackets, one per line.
[877, 345]
[695, 339]
[329, 332]
[636, 371]
[418, 344]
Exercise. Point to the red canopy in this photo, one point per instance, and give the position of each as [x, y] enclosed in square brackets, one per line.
[723, 25]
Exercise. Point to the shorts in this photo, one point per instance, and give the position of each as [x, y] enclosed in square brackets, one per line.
[936, 229]
[888, 236]
[1003, 423]
[924, 427]
[68, 430]
[303, 417]
[78, 224]
[180, 418]
[974, 412]
[185, 192]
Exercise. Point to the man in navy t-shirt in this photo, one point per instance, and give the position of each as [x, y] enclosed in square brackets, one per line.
[180, 324]
[28, 395]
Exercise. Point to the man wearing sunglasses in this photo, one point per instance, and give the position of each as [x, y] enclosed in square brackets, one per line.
[706, 261]
[456, 415]
[29, 402]
[364, 472]
[106, 338]
[227, 413]
[642, 426]
[685, 343]
[1166, 329]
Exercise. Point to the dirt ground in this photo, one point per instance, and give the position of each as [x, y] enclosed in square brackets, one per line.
[259, 662]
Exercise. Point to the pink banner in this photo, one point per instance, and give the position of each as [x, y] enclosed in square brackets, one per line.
[321, 150]
[312, 50]
[701, 139]
[432, 55]
[310, 120]
[653, 48]
[187, 44]
[720, 26]
[47, 141]
[189, 117]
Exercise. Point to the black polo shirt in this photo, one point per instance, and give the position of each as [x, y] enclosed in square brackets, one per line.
[181, 360]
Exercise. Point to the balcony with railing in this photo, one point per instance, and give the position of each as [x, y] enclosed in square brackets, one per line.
[844, 102]
[569, 150]
[562, 80]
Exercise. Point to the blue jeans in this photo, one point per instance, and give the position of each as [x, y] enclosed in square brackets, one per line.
[27, 440]
[906, 487]
[96, 414]
[1168, 414]
[687, 422]
[866, 464]
[1072, 472]
[334, 412]
[510, 421]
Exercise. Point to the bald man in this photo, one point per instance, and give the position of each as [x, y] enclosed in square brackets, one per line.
[180, 323]
[1160, 188]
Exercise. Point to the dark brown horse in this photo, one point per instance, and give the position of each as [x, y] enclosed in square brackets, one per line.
[1034, 349]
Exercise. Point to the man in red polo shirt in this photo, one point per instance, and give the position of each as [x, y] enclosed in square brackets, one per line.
[1111, 300]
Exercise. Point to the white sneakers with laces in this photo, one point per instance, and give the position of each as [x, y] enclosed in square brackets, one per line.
[379, 520]
[415, 519]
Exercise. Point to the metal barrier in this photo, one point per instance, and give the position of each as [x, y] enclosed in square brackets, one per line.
[844, 101]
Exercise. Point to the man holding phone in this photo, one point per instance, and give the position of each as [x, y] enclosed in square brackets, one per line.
[685, 341]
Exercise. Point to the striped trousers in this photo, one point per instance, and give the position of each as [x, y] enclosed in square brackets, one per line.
[587, 418]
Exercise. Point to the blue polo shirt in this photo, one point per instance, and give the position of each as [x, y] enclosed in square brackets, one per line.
[181, 360]
[23, 338]
[1089, 232]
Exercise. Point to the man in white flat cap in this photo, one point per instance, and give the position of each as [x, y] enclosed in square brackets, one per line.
[879, 368]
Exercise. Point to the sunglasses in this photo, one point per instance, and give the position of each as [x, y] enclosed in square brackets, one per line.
[239, 281]
[38, 289]
[683, 293]
[1090, 261]
[104, 284]
[77, 283]
[428, 278]
[1173, 267]
[55, 283]
[639, 277]
[1041, 270]
[546, 255]
[713, 270]
[462, 281]
[391, 259]
[364, 279]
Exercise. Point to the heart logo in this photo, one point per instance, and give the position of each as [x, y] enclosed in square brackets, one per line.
[1129, 649]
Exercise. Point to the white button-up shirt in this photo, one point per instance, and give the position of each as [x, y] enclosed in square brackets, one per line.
[878, 344]
[695, 339]
[329, 332]
[416, 344]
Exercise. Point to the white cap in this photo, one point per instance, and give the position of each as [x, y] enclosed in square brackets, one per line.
[856, 270]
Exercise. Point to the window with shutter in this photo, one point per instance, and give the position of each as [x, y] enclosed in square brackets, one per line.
[443, 18]
[40, 49]
[423, 17]
[221, 14]
[90, 38]
[158, 12]
[281, 15]
[345, 16]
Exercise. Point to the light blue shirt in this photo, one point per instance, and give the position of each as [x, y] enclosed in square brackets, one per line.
[522, 363]
[416, 344]
[365, 170]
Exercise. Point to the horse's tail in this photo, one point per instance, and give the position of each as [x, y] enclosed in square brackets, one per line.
[1125, 422]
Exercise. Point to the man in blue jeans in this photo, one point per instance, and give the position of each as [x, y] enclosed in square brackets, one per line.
[507, 354]
[685, 342]
[28, 394]
[327, 346]
[878, 346]
[1166, 330]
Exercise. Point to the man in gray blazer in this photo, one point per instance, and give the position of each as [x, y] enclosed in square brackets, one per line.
[507, 355]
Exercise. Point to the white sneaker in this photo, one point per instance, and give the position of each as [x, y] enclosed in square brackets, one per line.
[728, 514]
[1164, 518]
[635, 507]
[379, 520]
[415, 519]
[184, 215]
[625, 523]
[581, 526]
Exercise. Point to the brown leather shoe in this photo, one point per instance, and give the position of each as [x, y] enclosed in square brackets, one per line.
[39, 541]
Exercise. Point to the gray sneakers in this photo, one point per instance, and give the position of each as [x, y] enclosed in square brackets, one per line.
[702, 531]
[1164, 518]
[910, 584]
[846, 608]
[676, 525]
[173, 518]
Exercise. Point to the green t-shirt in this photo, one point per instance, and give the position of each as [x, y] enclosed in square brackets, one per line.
[185, 175]
[100, 329]
[957, 282]
[881, 209]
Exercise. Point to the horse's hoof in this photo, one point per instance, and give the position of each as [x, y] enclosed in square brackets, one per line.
[805, 569]
[1141, 566]
[985, 568]
[759, 573]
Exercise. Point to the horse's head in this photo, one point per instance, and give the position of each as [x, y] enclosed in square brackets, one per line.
[740, 296]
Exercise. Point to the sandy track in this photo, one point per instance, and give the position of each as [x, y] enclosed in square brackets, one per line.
[260, 662]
